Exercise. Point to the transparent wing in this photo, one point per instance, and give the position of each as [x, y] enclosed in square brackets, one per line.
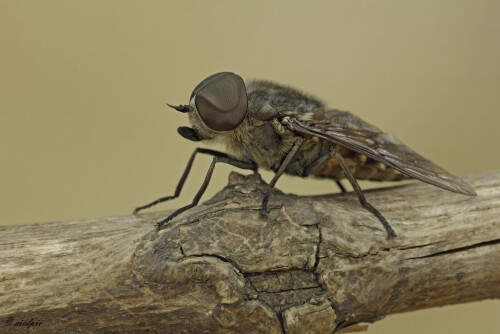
[347, 130]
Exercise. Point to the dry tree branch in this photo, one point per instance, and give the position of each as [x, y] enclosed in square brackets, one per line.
[316, 265]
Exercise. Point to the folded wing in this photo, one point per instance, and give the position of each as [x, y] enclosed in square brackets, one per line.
[347, 130]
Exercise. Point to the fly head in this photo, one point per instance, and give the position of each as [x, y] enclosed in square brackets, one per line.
[221, 101]
[217, 104]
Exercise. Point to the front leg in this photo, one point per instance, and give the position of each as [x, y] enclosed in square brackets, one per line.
[218, 157]
[186, 173]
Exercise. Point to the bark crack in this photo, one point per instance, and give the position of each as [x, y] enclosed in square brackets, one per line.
[279, 315]
[272, 271]
[419, 246]
[371, 252]
[223, 259]
[291, 289]
[457, 250]
[320, 239]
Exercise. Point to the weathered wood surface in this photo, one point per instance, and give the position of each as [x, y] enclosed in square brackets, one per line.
[317, 264]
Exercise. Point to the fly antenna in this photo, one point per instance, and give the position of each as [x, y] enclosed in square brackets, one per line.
[181, 108]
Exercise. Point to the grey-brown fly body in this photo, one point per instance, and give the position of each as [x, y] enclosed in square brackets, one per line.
[267, 125]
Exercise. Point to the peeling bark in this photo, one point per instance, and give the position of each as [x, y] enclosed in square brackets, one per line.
[317, 264]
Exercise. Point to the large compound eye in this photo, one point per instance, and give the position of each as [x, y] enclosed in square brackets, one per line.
[221, 100]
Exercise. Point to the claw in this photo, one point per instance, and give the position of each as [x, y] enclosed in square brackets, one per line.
[263, 214]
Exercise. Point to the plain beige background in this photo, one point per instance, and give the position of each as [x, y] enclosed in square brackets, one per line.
[84, 131]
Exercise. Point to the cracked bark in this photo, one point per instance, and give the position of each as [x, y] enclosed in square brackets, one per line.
[316, 265]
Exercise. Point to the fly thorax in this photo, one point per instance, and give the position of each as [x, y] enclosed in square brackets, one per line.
[268, 143]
